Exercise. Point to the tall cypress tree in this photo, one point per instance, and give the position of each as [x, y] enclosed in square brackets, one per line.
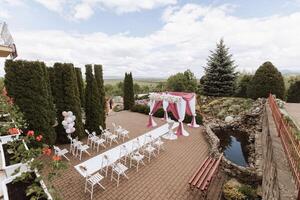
[128, 94]
[66, 99]
[28, 84]
[130, 91]
[219, 74]
[92, 102]
[100, 84]
[80, 85]
[125, 92]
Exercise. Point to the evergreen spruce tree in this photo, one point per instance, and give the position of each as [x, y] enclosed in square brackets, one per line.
[80, 85]
[92, 101]
[219, 73]
[293, 94]
[28, 84]
[267, 79]
[100, 84]
[66, 99]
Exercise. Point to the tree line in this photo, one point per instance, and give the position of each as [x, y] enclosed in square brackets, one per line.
[221, 79]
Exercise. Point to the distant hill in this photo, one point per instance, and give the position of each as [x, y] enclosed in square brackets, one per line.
[290, 72]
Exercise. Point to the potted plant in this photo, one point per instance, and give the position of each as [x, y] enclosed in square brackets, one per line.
[25, 186]
[11, 156]
[12, 134]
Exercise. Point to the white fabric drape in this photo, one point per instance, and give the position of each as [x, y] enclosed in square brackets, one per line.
[192, 104]
[181, 107]
[165, 106]
[151, 105]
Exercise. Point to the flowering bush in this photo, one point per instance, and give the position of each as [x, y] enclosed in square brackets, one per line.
[13, 131]
[32, 157]
[14, 119]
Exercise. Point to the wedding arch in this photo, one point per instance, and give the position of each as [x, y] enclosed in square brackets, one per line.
[178, 103]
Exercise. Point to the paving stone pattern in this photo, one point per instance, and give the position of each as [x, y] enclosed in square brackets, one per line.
[165, 177]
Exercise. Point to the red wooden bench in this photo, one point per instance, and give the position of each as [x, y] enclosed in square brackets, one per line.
[203, 176]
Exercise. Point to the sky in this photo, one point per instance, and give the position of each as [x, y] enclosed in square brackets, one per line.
[154, 38]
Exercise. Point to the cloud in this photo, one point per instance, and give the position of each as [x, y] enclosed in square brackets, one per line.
[189, 32]
[83, 11]
[4, 14]
[13, 2]
[121, 6]
[53, 5]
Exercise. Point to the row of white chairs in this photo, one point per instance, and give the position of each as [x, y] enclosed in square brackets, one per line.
[77, 147]
[150, 148]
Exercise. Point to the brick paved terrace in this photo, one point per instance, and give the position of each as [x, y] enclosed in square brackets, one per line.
[165, 177]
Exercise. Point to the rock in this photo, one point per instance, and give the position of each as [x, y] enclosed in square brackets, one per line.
[229, 119]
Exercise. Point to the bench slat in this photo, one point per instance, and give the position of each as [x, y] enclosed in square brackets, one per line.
[212, 172]
[198, 170]
[203, 177]
[200, 173]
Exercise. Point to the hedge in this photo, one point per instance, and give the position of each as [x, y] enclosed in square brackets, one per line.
[144, 109]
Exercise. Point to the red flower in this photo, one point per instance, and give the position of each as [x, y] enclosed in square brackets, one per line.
[47, 151]
[39, 138]
[30, 133]
[13, 131]
[56, 158]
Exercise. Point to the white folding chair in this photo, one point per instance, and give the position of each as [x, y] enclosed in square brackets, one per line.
[122, 133]
[102, 129]
[98, 142]
[114, 127]
[59, 152]
[136, 156]
[149, 149]
[105, 164]
[158, 144]
[92, 180]
[82, 148]
[91, 138]
[112, 138]
[72, 146]
[119, 169]
[124, 153]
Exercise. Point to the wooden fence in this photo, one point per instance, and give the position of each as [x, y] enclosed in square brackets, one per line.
[289, 141]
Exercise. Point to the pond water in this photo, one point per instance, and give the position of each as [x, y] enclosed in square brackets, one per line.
[234, 145]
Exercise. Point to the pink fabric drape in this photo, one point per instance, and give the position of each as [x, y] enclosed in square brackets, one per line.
[157, 105]
[187, 97]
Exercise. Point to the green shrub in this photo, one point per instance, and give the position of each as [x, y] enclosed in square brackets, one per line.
[248, 191]
[293, 94]
[267, 79]
[144, 109]
[117, 108]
